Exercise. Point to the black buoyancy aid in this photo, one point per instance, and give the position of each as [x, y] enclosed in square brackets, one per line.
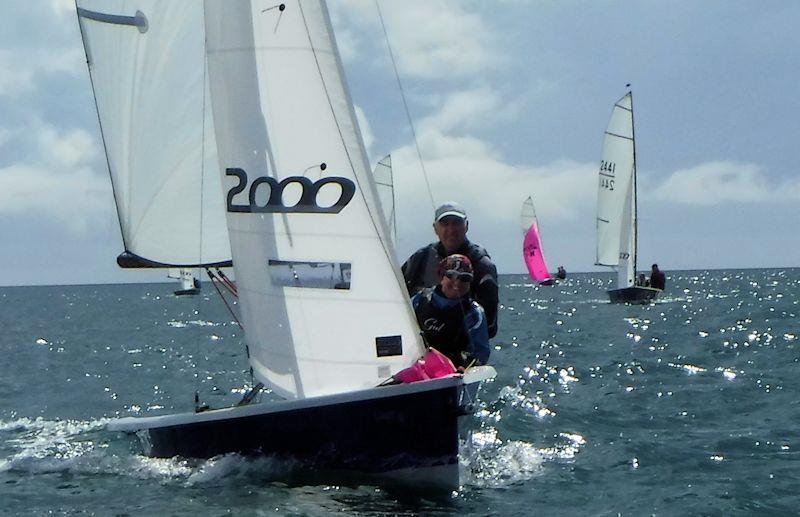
[425, 260]
[443, 327]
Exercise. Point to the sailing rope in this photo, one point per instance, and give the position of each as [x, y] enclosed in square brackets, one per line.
[405, 106]
[197, 406]
[410, 121]
[220, 278]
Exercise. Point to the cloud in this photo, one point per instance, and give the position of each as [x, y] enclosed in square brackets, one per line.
[468, 170]
[63, 8]
[6, 135]
[467, 110]
[438, 36]
[715, 183]
[366, 131]
[20, 71]
[791, 190]
[434, 40]
[67, 149]
[56, 181]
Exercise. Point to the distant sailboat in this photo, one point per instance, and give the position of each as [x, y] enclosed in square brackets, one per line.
[324, 308]
[189, 283]
[616, 206]
[532, 245]
[384, 181]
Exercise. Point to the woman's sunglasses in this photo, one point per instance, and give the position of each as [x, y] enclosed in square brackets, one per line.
[452, 274]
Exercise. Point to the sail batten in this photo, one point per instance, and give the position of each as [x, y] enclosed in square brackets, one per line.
[137, 20]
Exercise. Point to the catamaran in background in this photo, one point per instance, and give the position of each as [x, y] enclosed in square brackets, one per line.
[189, 283]
[616, 206]
[280, 185]
[532, 245]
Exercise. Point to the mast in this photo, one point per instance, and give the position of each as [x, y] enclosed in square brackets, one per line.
[635, 197]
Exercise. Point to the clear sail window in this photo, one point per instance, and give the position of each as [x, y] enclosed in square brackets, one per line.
[315, 275]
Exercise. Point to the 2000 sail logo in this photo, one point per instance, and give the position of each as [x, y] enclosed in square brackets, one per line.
[308, 198]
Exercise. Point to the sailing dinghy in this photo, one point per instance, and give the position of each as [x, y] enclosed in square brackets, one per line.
[532, 245]
[325, 312]
[189, 284]
[616, 206]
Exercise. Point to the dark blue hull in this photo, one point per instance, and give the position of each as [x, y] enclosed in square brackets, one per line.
[186, 292]
[634, 295]
[369, 436]
[387, 429]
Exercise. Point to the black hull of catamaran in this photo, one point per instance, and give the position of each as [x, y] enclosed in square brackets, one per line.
[392, 429]
[633, 295]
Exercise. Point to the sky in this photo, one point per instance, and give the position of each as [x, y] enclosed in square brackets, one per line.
[508, 99]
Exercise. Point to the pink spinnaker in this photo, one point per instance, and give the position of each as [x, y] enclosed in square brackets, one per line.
[532, 244]
[532, 253]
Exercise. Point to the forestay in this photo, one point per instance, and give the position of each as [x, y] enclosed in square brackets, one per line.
[323, 305]
[616, 194]
[146, 62]
[531, 244]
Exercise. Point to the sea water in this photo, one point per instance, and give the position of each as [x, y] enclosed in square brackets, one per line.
[688, 406]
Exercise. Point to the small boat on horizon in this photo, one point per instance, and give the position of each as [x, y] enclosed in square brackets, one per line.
[190, 284]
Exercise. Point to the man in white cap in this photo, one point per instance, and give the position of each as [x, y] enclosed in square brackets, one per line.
[421, 270]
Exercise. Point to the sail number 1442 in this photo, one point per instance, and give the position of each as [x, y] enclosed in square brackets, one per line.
[607, 174]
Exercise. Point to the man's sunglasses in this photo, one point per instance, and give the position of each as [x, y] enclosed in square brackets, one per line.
[452, 274]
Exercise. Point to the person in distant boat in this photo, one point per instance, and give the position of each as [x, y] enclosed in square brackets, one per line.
[450, 320]
[561, 274]
[657, 278]
[421, 269]
[642, 281]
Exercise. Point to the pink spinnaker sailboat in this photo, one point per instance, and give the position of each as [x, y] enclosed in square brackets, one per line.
[532, 245]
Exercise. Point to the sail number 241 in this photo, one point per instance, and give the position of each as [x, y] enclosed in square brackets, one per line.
[607, 174]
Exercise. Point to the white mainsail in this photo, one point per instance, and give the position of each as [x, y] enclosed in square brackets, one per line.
[281, 110]
[616, 195]
[527, 215]
[384, 182]
[147, 65]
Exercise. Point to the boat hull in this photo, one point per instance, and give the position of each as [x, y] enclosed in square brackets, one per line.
[633, 295]
[187, 292]
[382, 431]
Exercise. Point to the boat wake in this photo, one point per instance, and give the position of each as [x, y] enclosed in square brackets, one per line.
[38, 446]
[489, 462]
